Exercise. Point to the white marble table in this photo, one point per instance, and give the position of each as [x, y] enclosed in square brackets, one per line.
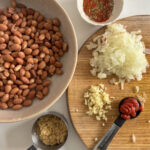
[17, 136]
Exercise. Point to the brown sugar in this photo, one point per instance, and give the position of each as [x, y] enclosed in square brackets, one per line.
[51, 130]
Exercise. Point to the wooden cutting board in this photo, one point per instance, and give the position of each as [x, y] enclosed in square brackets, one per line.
[87, 127]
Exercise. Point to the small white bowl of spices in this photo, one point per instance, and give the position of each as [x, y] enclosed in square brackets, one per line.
[100, 12]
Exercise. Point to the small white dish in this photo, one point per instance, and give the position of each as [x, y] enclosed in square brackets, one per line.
[118, 7]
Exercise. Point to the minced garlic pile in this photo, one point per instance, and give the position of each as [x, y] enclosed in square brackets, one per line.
[98, 102]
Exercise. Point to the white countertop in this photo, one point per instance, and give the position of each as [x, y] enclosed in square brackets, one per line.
[17, 136]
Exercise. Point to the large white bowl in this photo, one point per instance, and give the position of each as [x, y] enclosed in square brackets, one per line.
[49, 8]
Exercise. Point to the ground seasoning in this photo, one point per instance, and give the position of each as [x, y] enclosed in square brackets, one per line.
[98, 10]
[51, 130]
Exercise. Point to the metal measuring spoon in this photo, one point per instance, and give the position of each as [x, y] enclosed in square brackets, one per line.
[104, 142]
[37, 143]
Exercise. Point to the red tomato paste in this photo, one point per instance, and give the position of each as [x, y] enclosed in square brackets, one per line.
[98, 10]
[129, 108]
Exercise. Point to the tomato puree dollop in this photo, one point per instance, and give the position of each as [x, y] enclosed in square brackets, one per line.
[129, 108]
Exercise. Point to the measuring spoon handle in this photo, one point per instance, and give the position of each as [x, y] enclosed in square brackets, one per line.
[32, 148]
[104, 142]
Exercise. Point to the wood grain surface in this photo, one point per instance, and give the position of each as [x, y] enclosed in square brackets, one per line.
[87, 127]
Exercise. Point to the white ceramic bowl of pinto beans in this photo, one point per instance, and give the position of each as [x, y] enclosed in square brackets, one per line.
[38, 55]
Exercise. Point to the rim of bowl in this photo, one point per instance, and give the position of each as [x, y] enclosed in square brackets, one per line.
[109, 21]
[66, 85]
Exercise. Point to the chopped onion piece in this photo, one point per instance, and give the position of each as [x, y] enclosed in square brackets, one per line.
[147, 51]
